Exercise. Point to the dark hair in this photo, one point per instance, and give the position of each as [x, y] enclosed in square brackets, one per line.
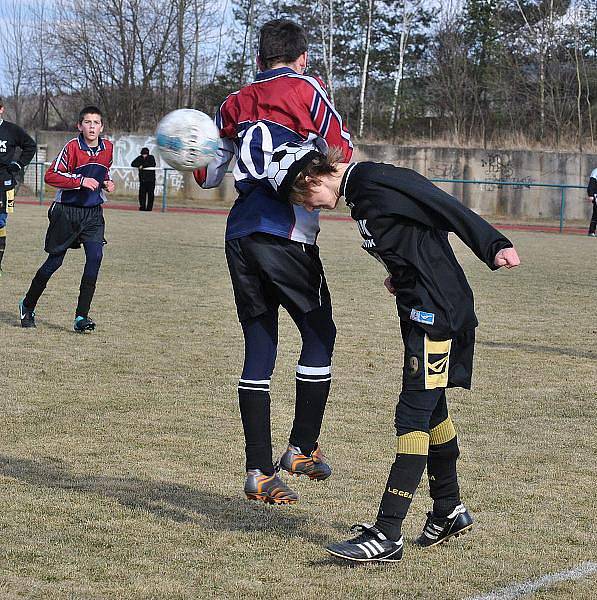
[90, 110]
[144, 150]
[1, 102]
[314, 170]
[280, 41]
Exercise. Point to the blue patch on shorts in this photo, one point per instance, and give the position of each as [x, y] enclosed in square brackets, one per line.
[419, 316]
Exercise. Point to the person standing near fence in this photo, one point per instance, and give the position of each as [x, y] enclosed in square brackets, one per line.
[145, 162]
[11, 137]
[592, 193]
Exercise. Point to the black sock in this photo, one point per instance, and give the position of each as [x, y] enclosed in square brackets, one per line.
[255, 415]
[86, 291]
[312, 391]
[405, 476]
[38, 285]
[443, 480]
[2, 248]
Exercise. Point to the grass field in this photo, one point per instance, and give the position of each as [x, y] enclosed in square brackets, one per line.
[121, 454]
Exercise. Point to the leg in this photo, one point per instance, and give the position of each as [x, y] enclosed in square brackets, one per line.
[261, 342]
[141, 196]
[39, 282]
[413, 415]
[3, 218]
[593, 224]
[441, 462]
[313, 375]
[93, 260]
[150, 194]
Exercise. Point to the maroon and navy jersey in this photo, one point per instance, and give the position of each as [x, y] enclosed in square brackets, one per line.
[76, 161]
[280, 106]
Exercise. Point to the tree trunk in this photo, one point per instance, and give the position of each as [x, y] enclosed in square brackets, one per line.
[365, 70]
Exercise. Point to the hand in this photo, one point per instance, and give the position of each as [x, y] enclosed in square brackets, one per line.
[388, 283]
[109, 186]
[90, 183]
[506, 257]
[14, 167]
[200, 175]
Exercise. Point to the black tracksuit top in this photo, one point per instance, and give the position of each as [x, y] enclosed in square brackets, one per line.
[12, 137]
[404, 220]
[147, 173]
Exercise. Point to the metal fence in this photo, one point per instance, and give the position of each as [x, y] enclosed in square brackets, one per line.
[520, 184]
[35, 181]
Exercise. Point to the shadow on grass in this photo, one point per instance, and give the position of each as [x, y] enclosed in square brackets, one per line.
[12, 318]
[168, 500]
[573, 352]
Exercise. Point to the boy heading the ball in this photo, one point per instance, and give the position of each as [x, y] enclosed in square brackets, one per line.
[272, 254]
[404, 220]
[81, 172]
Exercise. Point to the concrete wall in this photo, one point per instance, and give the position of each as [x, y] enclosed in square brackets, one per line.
[526, 166]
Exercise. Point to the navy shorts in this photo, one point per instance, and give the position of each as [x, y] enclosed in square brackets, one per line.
[71, 226]
[268, 271]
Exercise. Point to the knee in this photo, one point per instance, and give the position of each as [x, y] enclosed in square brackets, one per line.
[52, 264]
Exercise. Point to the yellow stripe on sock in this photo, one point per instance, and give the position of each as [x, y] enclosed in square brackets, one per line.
[442, 433]
[2, 231]
[414, 442]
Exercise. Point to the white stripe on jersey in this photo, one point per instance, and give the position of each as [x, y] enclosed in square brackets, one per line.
[324, 96]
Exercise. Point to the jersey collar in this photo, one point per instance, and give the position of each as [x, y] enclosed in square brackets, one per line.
[83, 145]
[274, 73]
[344, 183]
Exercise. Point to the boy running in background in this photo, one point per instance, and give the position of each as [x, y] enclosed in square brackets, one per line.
[11, 138]
[81, 172]
[404, 220]
[272, 254]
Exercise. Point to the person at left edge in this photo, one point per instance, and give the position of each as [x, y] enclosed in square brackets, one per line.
[81, 172]
[11, 137]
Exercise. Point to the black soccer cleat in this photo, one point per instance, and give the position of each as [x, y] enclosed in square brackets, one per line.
[371, 545]
[314, 466]
[83, 324]
[26, 316]
[268, 488]
[439, 529]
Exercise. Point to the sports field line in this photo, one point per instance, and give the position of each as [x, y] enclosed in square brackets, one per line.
[326, 217]
[518, 590]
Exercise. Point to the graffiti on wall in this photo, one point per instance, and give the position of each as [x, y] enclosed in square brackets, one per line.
[443, 170]
[126, 149]
[498, 167]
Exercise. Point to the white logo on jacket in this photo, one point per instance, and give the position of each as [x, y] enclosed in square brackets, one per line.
[3, 145]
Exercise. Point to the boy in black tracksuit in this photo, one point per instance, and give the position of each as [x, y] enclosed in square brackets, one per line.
[592, 194]
[11, 137]
[145, 162]
[404, 220]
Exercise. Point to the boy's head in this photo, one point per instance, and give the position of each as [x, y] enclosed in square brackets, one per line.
[282, 42]
[91, 124]
[306, 176]
[144, 151]
[1, 107]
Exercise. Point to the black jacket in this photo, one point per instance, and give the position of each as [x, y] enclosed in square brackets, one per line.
[405, 221]
[12, 137]
[147, 173]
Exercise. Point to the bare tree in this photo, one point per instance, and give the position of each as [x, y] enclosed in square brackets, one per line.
[365, 69]
[14, 52]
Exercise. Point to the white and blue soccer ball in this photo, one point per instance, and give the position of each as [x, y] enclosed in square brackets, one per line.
[187, 139]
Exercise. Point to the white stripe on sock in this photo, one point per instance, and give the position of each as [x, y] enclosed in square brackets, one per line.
[314, 370]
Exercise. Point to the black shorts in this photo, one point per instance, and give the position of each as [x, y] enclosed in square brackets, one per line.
[268, 271]
[430, 364]
[70, 226]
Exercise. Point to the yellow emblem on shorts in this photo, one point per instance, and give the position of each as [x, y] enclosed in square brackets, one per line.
[437, 363]
[10, 201]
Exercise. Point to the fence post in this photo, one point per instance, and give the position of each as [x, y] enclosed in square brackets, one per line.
[42, 185]
[562, 209]
[165, 191]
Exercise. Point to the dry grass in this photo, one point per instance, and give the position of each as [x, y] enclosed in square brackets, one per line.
[121, 455]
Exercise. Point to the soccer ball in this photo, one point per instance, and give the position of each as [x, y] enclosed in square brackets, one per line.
[187, 139]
